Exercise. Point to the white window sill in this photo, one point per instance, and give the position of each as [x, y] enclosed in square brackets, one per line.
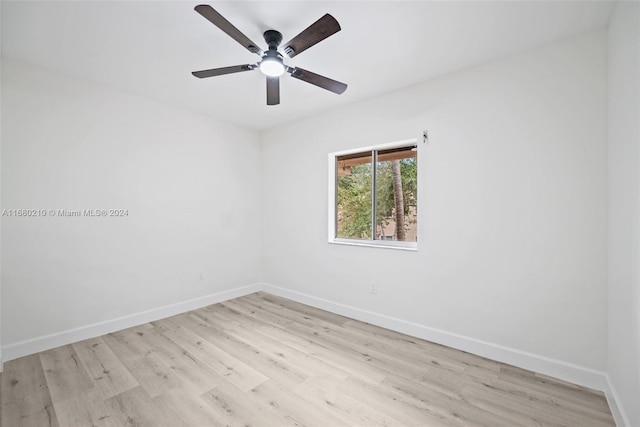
[385, 244]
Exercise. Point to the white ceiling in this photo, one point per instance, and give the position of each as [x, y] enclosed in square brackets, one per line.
[150, 47]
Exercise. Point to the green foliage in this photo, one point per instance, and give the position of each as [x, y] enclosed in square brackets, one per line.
[354, 203]
[354, 197]
[385, 197]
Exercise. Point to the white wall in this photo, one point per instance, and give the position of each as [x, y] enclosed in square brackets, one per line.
[624, 207]
[190, 183]
[1, 359]
[512, 204]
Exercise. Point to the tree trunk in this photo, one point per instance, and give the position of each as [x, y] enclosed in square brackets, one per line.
[398, 199]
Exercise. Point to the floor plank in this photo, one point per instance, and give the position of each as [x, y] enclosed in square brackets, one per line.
[262, 360]
[107, 372]
[136, 408]
[234, 407]
[154, 376]
[24, 395]
[224, 364]
[86, 409]
[64, 372]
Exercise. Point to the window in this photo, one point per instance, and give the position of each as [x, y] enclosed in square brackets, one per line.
[373, 196]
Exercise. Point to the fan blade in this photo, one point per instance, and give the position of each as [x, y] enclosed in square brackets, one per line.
[318, 80]
[315, 33]
[224, 70]
[220, 21]
[273, 90]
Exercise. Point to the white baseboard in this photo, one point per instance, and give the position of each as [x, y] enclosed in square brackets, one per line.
[35, 345]
[1, 361]
[619, 414]
[556, 368]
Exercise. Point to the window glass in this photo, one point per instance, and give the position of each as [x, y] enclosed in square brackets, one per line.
[396, 190]
[354, 184]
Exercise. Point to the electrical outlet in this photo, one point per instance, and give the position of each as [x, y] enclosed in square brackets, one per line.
[374, 288]
[200, 277]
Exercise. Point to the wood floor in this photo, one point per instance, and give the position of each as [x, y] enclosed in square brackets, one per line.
[261, 360]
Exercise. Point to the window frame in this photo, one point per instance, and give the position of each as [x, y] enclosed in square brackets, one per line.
[333, 195]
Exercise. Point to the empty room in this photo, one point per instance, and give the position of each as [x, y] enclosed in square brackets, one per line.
[320, 213]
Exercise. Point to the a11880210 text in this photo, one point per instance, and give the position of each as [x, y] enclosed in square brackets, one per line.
[31, 213]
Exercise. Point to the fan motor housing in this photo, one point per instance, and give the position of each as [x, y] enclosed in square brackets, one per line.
[273, 38]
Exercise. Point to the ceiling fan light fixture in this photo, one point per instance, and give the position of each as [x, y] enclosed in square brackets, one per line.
[271, 63]
[272, 67]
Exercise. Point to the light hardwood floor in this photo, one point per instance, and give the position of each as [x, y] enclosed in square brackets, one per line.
[261, 360]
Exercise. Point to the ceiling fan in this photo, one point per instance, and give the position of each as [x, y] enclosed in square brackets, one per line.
[272, 64]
